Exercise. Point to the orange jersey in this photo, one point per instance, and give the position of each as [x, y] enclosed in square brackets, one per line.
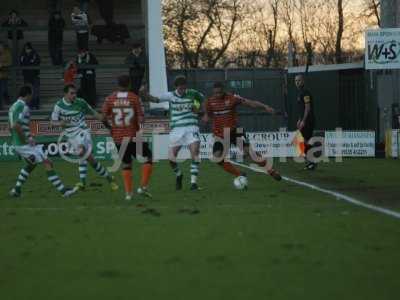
[123, 110]
[222, 110]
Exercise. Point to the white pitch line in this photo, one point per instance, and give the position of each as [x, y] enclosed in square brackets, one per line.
[337, 195]
[127, 207]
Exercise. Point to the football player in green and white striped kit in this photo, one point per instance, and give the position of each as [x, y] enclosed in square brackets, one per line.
[69, 113]
[184, 107]
[25, 147]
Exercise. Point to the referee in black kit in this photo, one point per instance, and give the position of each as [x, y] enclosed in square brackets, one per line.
[306, 120]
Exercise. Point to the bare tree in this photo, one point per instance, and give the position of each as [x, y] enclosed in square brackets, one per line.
[201, 29]
[271, 32]
[227, 15]
[324, 34]
[210, 33]
[372, 10]
[288, 19]
[179, 19]
[340, 29]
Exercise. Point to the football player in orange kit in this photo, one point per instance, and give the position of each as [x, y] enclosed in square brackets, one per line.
[123, 111]
[221, 109]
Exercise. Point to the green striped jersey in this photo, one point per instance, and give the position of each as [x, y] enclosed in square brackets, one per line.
[19, 113]
[181, 107]
[73, 114]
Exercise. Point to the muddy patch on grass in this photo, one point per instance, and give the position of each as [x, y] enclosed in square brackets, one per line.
[384, 196]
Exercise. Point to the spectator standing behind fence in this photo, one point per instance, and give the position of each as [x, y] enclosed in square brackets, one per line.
[81, 24]
[5, 63]
[14, 19]
[87, 90]
[137, 62]
[55, 35]
[30, 58]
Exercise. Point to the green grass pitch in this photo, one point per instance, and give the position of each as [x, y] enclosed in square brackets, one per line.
[274, 241]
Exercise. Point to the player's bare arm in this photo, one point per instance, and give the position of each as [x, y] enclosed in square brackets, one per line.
[30, 140]
[151, 98]
[258, 105]
[56, 123]
[102, 118]
[146, 97]
[20, 132]
[205, 112]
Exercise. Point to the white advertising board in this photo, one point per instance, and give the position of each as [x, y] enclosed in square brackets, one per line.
[350, 143]
[279, 144]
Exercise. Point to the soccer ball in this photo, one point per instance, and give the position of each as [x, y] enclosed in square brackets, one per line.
[240, 182]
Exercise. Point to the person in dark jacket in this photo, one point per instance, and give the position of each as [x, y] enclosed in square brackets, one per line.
[306, 119]
[55, 35]
[54, 5]
[14, 20]
[106, 10]
[137, 62]
[84, 5]
[30, 58]
[87, 90]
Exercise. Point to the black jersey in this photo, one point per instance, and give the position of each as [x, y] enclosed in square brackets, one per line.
[304, 97]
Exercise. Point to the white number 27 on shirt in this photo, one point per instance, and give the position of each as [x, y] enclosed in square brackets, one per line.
[123, 116]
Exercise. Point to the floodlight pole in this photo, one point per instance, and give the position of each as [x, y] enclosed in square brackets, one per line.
[155, 46]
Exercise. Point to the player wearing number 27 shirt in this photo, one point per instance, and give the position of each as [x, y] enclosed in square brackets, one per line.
[123, 112]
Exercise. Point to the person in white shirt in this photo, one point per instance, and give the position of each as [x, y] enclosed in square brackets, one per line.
[81, 24]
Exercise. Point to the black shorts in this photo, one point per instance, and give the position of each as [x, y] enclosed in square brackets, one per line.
[307, 131]
[131, 152]
[235, 137]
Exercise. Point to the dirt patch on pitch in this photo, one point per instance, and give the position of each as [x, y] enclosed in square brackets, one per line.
[384, 196]
[381, 196]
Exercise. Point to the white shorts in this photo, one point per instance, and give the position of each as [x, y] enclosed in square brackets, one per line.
[33, 154]
[82, 139]
[184, 136]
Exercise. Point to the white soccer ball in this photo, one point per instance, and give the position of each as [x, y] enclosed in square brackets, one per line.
[240, 182]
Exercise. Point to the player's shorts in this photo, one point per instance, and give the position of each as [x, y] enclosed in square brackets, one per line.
[184, 136]
[235, 138]
[131, 152]
[32, 154]
[307, 130]
[82, 139]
